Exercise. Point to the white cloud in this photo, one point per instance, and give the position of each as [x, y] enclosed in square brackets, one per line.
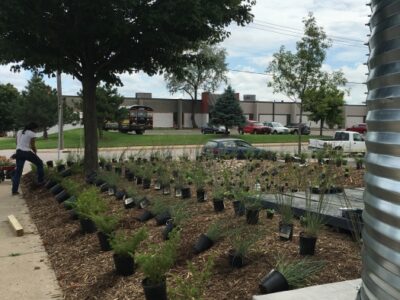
[251, 48]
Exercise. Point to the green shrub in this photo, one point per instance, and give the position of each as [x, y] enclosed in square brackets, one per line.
[72, 187]
[159, 258]
[127, 245]
[243, 238]
[215, 231]
[90, 203]
[105, 223]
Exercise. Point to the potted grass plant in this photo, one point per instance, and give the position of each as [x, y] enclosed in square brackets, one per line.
[218, 195]
[147, 174]
[124, 247]
[72, 188]
[89, 203]
[199, 176]
[214, 233]
[241, 239]
[253, 206]
[106, 225]
[193, 286]
[284, 203]
[312, 223]
[155, 263]
[160, 208]
[289, 274]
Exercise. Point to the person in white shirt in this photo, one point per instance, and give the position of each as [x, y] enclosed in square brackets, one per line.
[26, 151]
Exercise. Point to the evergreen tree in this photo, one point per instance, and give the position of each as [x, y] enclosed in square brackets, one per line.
[227, 110]
[9, 98]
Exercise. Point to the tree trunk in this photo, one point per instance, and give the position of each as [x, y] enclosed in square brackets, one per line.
[299, 131]
[45, 133]
[90, 122]
[192, 117]
[321, 126]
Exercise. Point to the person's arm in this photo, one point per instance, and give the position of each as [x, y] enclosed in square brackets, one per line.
[33, 145]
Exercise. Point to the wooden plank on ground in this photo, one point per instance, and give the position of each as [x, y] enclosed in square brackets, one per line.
[19, 231]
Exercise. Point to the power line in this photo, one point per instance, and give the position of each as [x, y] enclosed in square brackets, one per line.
[268, 74]
[300, 31]
[294, 34]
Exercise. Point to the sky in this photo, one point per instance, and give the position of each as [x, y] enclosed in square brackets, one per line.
[250, 49]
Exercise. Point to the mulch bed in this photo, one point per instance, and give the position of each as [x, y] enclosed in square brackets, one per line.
[84, 272]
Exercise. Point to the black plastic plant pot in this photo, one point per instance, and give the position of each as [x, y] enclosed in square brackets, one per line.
[104, 187]
[129, 203]
[104, 242]
[87, 225]
[166, 190]
[56, 189]
[178, 192]
[119, 195]
[285, 231]
[252, 216]
[203, 243]
[124, 264]
[201, 195]
[73, 214]
[108, 167]
[145, 216]
[235, 259]
[70, 163]
[68, 204]
[167, 229]
[66, 173]
[99, 182]
[62, 196]
[154, 291]
[161, 219]
[111, 190]
[91, 178]
[307, 244]
[186, 194]
[273, 282]
[139, 180]
[218, 205]
[335, 190]
[239, 208]
[118, 170]
[146, 183]
[129, 175]
[60, 168]
[50, 183]
[50, 164]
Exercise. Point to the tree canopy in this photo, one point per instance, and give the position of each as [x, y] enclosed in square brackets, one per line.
[95, 41]
[227, 110]
[9, 98]
[325, 101]
[295, 73]
[206, 72]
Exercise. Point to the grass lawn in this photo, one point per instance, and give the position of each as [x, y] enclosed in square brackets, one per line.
[74, 139]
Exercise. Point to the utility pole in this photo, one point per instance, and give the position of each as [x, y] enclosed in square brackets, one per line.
[60, 116]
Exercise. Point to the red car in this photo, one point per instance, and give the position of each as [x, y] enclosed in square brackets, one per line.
[360, 128]
[255, 127]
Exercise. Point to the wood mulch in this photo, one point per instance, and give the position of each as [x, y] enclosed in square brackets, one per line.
[85, 272]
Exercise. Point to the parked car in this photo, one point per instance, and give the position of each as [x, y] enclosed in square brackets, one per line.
[214, 129]
[232, 148]
[346, 141]
[360, 128]
[295, 127]
[277, 127]
[254, 127]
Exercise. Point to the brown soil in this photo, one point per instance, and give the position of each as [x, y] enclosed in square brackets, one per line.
[84, 272]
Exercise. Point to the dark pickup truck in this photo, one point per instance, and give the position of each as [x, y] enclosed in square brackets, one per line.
[294, 128]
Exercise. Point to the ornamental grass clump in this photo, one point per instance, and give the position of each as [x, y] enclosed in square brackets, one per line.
[298, 272]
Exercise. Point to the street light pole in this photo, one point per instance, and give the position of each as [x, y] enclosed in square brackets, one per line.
[60, 116]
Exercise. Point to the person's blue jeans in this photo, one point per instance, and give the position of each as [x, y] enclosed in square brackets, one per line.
[21, 157]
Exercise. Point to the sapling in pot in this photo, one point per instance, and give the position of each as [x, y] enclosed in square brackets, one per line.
[106, 225]
[89, 203]
[160, 209]
[193, 286]
[179, 215]
[199, 177]
[289, 274]
[124, 247]
[155, 263]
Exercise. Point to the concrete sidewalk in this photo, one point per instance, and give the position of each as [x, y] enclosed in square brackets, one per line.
[25, 271]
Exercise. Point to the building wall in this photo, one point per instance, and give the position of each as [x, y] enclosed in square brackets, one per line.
[176, 112]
